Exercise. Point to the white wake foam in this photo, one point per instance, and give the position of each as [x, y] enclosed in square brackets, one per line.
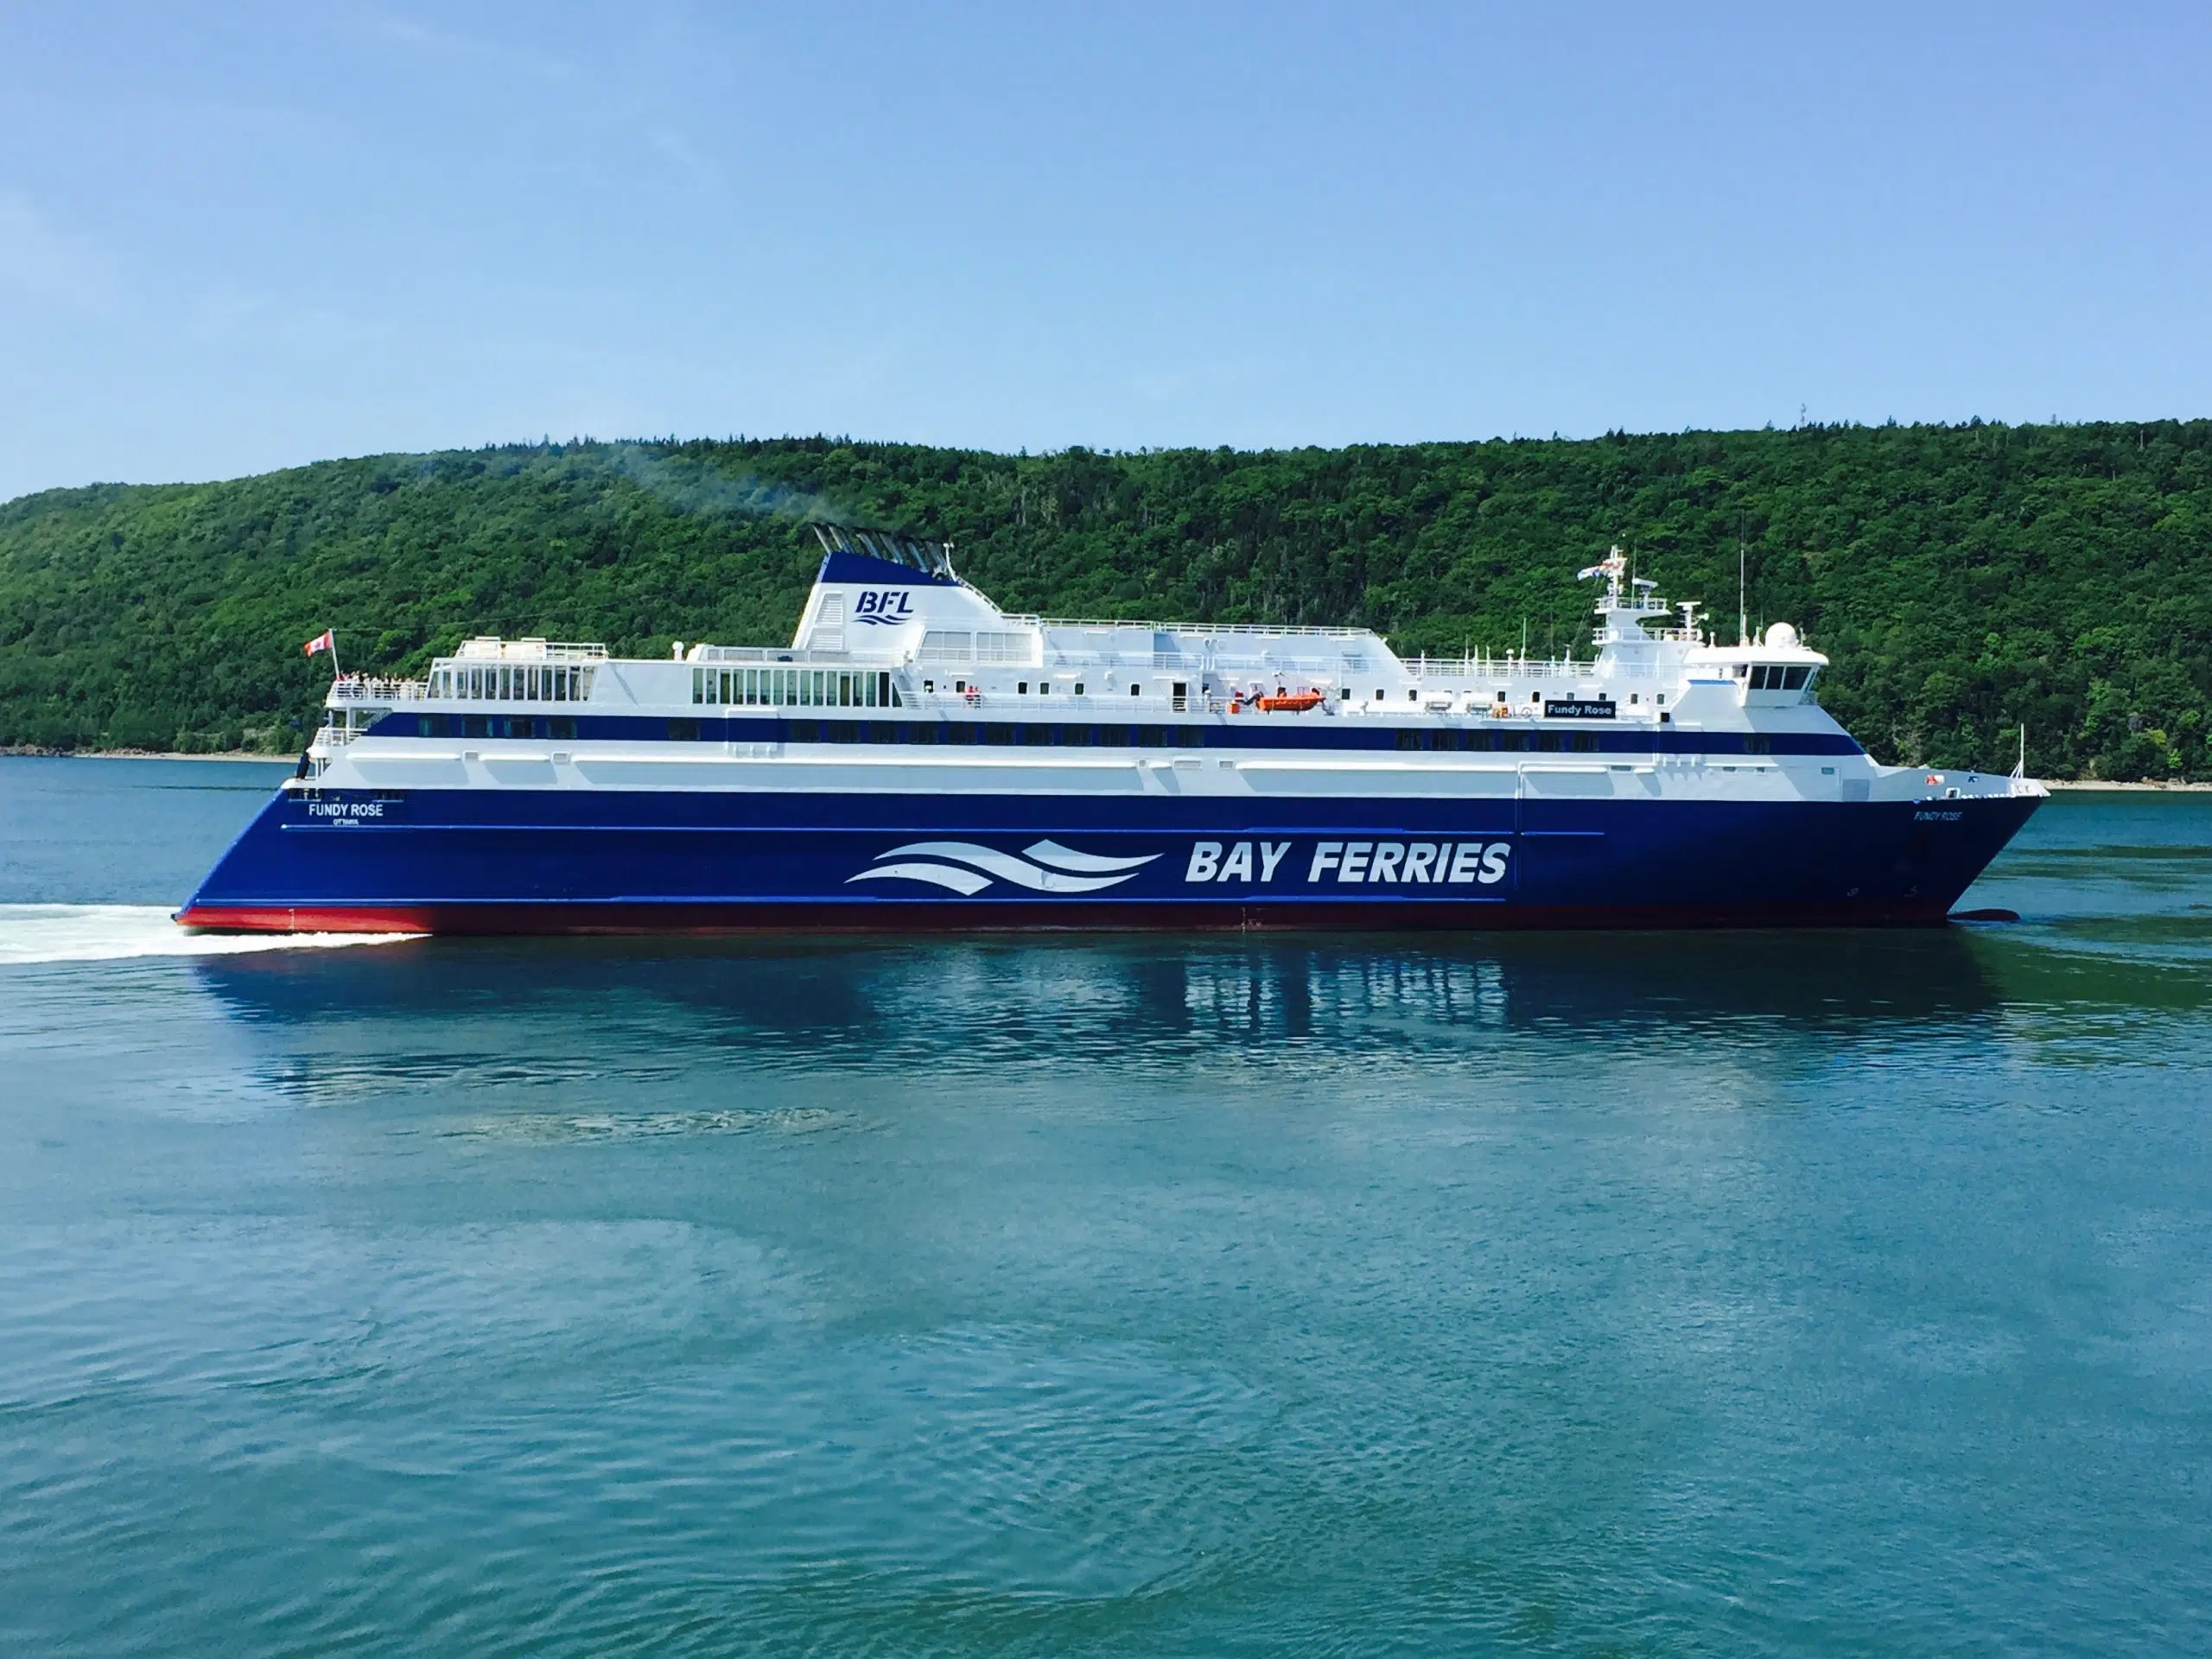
[31, 933]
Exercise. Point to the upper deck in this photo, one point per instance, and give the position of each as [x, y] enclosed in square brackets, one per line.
[889, 624]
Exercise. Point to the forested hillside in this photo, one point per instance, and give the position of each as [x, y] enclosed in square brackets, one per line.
[1962, 578]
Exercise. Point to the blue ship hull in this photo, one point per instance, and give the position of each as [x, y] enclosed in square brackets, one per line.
[560, 861]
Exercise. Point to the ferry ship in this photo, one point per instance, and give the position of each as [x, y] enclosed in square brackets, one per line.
[918, 758]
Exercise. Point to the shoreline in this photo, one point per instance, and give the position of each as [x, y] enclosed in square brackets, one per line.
[2143, 786]
[148, 754]
[2149, 787]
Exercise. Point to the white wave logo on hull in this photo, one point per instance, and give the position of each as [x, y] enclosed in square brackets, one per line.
[967, 869]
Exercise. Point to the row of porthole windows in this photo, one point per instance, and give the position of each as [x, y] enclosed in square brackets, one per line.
[554, 727]
[1502, 742]
[512, 683]
[960, 688]
[930, 733]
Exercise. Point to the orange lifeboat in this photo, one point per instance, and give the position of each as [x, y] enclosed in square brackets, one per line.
[1297, 704]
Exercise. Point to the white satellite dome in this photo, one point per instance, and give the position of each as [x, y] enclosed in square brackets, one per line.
[1782, 635]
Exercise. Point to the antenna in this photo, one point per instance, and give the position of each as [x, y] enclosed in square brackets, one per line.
[1742, 611]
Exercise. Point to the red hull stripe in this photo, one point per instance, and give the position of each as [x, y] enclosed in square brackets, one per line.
[672, 919]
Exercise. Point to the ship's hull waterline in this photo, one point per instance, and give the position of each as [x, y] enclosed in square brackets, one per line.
[595, 862]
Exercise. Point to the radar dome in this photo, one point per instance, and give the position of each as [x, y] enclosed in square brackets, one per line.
[1782, 634]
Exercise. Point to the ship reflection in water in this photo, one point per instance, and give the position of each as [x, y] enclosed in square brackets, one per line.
[871, 1007]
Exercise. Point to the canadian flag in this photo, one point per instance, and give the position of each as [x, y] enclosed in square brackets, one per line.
[322, 642]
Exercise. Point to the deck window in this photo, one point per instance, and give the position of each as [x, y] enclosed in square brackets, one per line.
[1151, 737]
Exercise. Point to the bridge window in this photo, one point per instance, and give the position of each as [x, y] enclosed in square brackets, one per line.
[1793, 679]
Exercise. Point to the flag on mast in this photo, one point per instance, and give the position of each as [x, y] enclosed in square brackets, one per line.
[322, 641]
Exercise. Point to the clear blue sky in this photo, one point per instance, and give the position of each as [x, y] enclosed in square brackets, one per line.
[237, 237]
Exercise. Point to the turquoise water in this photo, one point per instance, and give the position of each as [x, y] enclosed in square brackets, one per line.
[1728, 1294]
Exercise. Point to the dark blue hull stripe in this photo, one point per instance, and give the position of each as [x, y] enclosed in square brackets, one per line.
[1030, 860]
[837, 726]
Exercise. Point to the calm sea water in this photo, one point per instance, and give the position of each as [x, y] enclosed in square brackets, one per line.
[1737, 1293]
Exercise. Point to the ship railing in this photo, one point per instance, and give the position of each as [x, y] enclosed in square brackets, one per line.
[1194, 631]
[795, 657]
[1491, 669]
[1003, 705]
[367, 688]
[1266, 662]
[490, 648]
